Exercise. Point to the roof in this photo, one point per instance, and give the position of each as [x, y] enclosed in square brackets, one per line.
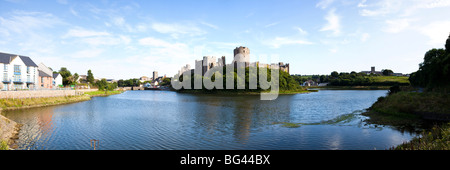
[43, 74]
[7, 58]
[28, 61]
[55, 75]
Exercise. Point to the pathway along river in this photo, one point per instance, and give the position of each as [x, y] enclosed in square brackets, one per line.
[158, 120]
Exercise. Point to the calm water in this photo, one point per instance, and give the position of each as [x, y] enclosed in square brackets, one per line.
[154, 120]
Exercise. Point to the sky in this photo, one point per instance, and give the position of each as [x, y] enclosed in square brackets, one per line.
[125, 39]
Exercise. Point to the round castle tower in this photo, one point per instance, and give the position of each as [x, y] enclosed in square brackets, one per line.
[241, 55]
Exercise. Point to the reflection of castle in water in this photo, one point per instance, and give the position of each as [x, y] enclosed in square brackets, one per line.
[237, 115]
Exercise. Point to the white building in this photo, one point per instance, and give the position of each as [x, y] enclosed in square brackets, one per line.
[57, 80]
[17, 72]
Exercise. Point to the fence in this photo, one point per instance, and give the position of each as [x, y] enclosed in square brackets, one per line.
[39, 93]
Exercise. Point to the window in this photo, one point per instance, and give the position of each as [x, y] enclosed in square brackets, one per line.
[16, 69]
[17, 78]
[5, 76]
[28, 70]
[5, 67]
[28, 78]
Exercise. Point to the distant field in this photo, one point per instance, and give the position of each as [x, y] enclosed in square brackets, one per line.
[399, 79]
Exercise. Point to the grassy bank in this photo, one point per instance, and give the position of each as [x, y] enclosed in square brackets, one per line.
[353, 87]
[102, 93]
[437, 138]
[242, 92]
[8, 104]
[4, 145]
[414, 110]
[410, 108]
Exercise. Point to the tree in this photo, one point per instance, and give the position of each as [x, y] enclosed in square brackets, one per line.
[102, 84]
[90, 77]
[167, 81]
[75, 78]
[447, 45]
[65, 74]
[334, 74]
[387, 72]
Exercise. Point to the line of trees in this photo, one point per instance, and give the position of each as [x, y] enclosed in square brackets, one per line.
[434, 71]
[349, 79]
[286, 81]
[69, 79]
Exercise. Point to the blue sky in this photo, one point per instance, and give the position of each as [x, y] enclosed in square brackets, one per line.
[128, 39]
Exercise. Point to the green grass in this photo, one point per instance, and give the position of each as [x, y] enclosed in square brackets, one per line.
[35, 102]
[353, 87]
[4, 145]
[438, 138]
[402, 107]
[382, 79]
[102, 93]
[413, 110]
[291, 125]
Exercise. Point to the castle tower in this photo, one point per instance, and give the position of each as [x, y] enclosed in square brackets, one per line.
[242, 55]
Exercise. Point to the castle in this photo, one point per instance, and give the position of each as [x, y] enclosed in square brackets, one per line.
[241, 56]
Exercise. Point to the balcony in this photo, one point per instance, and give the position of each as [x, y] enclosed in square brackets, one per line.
[18, 81]
[6, 81]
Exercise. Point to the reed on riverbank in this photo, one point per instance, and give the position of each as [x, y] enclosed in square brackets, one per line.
[9, 104]
[436, 138]
[102, 93]
[408, 108]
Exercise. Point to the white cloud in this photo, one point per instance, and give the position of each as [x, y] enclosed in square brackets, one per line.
[277, 42]
[333, 23]
[399, 7]
[165, 56]
[380, 8]
[90, 53]
[364, 37]
[28, 22]
[397, 25]
[73, 12]
[154, 42]
[177, 29]
[95, 38]
[210, 25]
[323, 4]
[301, 31]
[271, 24]
[437, 32]
[361, 4]
[81, 32]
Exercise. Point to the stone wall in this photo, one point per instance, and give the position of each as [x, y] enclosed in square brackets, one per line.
[39, 93]
[8, 130]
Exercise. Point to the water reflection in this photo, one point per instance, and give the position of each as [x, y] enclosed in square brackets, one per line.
[168, 120]
[239, 114]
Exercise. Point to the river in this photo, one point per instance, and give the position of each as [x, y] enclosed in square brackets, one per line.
[165, 120]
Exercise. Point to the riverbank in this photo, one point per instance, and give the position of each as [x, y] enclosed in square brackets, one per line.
[10, 129]
[11, 104]
[415, 111]
[103, 93]
[351, 87]
[237, 92]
